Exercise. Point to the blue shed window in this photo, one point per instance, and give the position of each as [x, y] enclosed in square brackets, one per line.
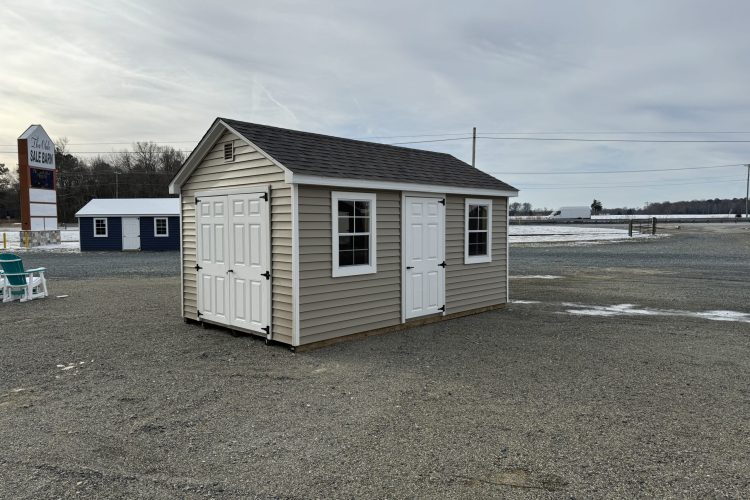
[100, 228]
[161, 227]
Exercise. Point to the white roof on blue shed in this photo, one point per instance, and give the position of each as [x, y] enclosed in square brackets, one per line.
[130, 207]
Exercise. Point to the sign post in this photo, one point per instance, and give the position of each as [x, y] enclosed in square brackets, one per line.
[37, 176]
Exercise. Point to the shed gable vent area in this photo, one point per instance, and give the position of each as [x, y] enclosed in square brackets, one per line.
[229, 151]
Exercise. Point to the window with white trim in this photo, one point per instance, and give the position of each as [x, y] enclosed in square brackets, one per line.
[478, 231]
[100, 228]
[353, 233]
[161, 227]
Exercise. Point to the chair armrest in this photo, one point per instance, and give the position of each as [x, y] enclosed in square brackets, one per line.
[37, 270]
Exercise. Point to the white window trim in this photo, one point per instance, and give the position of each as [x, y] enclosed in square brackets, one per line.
[106, 227]
[337, 271]
[156, 235]
[477, 259]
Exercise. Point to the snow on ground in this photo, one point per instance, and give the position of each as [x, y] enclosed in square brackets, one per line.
[518, 234]
[618, 310]
[536, 277]
[632, 310]
[68, 237]
[567, 233]
[676, 216]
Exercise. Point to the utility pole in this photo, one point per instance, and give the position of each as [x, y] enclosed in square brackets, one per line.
[473, 146]
[747, 192]
[117, 184]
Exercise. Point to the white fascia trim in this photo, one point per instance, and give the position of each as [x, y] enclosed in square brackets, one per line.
[295, 265]
[196, 156]
[287, 172]
[205, 146]
[99, 216]
[477, 259]
[395, 186]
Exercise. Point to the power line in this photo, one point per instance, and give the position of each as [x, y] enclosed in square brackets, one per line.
[583, 172]
[616, 132]
[432, 140]
[109, 152]
[111, 143]
[575, 139]
[619, 186]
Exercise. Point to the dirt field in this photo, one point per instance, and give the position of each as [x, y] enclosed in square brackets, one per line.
[107, 393]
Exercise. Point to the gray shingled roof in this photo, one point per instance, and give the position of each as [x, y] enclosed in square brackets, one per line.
[320, 155]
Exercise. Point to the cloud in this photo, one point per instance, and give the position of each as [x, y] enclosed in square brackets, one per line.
[137, 70]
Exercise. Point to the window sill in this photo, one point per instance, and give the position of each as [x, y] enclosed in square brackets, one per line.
[483, 259]
[352, 271]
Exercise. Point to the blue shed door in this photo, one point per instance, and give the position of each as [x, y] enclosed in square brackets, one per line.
[131, 233]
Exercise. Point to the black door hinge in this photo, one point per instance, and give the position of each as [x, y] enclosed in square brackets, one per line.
[266, 329]
[266, 275]
[442, 201]
[197, 200]
[199, 314]
[442, 264]
[264, 196]
[197, 267]
[441, 308]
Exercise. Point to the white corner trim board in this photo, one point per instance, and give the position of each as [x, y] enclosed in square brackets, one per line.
[295, 265]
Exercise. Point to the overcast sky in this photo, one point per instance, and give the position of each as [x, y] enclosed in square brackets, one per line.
[100, 72]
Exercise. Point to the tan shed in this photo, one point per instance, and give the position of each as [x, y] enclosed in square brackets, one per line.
[303, 237]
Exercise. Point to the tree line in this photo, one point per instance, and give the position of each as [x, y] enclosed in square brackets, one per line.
[142, 172]
[728, 206]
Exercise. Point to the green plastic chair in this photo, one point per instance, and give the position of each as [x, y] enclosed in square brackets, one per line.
[18, 283]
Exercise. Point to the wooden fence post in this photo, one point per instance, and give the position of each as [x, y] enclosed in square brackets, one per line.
[653, 226]
[630, 228]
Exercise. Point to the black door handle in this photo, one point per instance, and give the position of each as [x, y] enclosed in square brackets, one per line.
[409, 267]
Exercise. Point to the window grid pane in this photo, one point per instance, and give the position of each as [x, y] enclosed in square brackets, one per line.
[354, 232]
[478, 231]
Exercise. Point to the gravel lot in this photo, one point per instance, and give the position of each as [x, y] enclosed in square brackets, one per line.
[106, 393]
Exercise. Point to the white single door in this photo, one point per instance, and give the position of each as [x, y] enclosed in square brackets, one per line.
[131, 233]
[249, 262]
[212, 257]
[424, 256]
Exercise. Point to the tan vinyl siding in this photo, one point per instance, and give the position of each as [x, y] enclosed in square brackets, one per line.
[333, 307]
[250, 168]
[471, 286]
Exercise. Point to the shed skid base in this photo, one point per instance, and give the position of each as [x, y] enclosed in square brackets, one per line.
[435, 318]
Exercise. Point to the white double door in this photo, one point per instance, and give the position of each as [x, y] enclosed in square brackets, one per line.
[424, 256]
[234, 262]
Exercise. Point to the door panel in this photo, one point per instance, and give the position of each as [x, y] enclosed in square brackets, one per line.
[131, 233]
[423, 253]
[234, 256]
[249, 261]
[212, 273]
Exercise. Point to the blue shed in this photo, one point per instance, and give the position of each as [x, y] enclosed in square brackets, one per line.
[130, 224]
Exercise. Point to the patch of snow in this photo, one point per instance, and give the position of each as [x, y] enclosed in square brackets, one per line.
[632, 310]
[525, 302]
[555, 234]
[536, 277]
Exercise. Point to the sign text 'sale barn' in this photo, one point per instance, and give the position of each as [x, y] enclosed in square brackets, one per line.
[36, 173]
